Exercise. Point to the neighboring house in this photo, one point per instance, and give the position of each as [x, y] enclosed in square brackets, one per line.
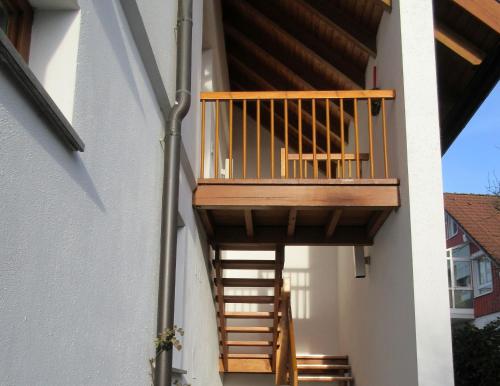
[294, 227]
[473, 255]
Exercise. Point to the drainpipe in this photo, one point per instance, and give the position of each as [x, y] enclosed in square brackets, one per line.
[166, 293]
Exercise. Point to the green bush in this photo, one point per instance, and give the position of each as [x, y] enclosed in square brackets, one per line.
[476, 355]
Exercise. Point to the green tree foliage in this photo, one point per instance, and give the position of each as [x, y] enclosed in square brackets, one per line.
[476, 355]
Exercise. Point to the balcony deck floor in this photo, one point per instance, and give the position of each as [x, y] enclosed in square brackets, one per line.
[261, 213]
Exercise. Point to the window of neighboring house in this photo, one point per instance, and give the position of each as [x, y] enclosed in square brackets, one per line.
[460, 277]
[451, 227]
[16, 19]
[483, 276]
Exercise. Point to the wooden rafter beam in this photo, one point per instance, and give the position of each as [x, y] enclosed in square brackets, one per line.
[332, 223]
[488, 11]
[458, 44]
[268, 26]
[333, 18]
[292, 219]
[249, 222]
[376, 222]
[298, 81]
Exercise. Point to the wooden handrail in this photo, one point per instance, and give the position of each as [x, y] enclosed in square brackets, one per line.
[305, 124]
[286, 354]
[269, 95]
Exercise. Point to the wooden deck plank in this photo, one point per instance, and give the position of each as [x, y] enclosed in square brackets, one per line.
[294, 196]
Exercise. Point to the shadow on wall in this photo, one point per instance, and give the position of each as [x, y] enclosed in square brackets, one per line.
[313, 276]
[107, 12]
[70, 161]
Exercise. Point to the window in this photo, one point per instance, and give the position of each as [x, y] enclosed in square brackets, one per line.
[16, 18]
[483, 276]
[460, 277]
[451, 226]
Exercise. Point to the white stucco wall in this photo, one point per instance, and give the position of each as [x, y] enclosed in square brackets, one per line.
[79, 231]
[395, 323]
[160, 20]
[194, 308]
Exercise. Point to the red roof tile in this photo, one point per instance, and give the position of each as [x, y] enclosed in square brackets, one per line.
[479, 216]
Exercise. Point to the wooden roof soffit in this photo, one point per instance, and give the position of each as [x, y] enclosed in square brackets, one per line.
[270, 61]
[458, 44]
[333, 19]
[488, 11]
[265, 24]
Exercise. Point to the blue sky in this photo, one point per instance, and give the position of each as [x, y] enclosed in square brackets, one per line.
[475, 155]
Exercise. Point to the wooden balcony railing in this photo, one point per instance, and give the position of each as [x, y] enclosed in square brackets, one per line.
[286, 355]
[307, 134]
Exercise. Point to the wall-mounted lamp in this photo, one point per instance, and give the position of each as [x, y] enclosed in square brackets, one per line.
[360, 262]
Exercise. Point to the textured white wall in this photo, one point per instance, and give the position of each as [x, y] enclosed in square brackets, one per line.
[160, 19]
[395, 323]
[195, 310]
[79, 231]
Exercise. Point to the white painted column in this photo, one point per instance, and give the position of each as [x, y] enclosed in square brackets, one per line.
[425, 194]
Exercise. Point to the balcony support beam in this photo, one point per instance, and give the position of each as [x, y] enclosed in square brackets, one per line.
[292, 219]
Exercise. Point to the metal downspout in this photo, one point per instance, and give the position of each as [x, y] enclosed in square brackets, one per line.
[168, 249]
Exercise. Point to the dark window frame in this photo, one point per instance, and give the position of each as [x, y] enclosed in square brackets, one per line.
[19, 24]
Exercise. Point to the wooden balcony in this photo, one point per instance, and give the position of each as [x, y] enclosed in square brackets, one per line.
[288, 173]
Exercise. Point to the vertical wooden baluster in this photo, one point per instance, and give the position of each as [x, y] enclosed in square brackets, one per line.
[217, 118]
[258, 139]
[342, 140]
[328, 150]
[294, 169]
[244, 138]
[350, 168]
[305, 168]
[356, 136]
[286, 138]
[370, 137]
[315, 161]
[384, 131]
[202, 158]
[300, 138]
[231, 138]
[272, 138]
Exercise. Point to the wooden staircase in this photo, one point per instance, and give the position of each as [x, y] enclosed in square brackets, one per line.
[260, 329]
[268, 343]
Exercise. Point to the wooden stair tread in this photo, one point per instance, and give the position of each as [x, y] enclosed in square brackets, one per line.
[247, 365]
[323, 378]
[249, 315]
[249, 343]
[248, 264]
[243, 282]
[254, 299]
[249, 356]
[317, 366]
[244, 329]
[320, 356]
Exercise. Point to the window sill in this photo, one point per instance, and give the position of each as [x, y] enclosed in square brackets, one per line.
[10, 58]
